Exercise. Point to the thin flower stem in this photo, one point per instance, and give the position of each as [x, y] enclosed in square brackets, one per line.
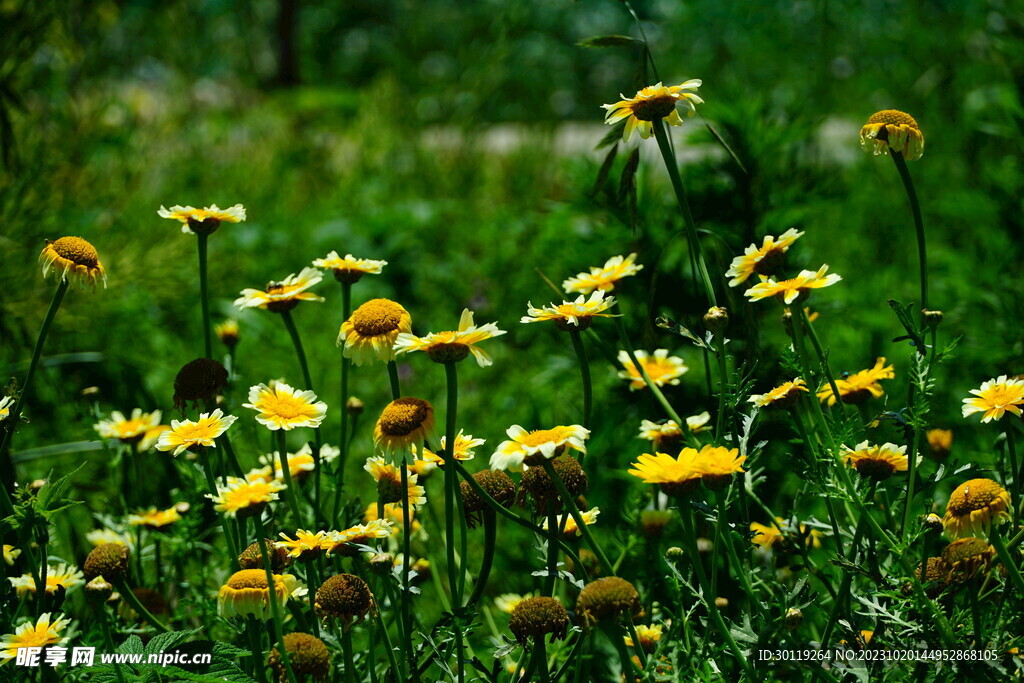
[640, 654]
[661, 135]
[252, 631]
[286, 472]
[574, 510]
[588, 393]
[575, 654]
[819, 350]
[350, 664]
[549, 580]
[406, 612]
[911, 480]
[44, 565]
[490, 536]
[1012, 569]
[456, 574]
[915, 209]
[133, 601]
[389, 649]
[730, 549]
[211, 482]
[396, 387]
[275, 609]
[204, 300]
[723, 372]
[541, 656]
[346, 311]
[1011, 448]
[624, 338]
[108, 641]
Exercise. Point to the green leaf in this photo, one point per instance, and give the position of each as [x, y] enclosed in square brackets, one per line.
[613, 40]
[606, 168]
[612, 136]
[725, 145]
[902, 312]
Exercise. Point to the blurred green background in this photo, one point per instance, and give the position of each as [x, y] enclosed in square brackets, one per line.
[457, 141]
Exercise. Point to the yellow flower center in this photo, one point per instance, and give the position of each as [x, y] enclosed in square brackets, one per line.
[284, 406]
[77, 250]
[248, 578]
[893, 117]
[197, 431]
[377, 317]
[977, 494]
[1003, 395]
[543, 436]
[403, 416]
[965, 549]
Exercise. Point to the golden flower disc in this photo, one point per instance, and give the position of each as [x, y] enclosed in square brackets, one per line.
[404, 415]
[76, 250]
[973, 495]
[345, 597]
[377, 317]
[73, 257]
[537, 617]
[610, 597]
[307, 655]
[248, 578]
[893, 117]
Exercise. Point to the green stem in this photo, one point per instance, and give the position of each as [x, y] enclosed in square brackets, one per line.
[1011, 448]
[1004, 556]
[490, 536]
[624, 338]
[211, 482]
[346, 306]
[275, 609]
[406, 612]
[723, 370]
[293, 331]
[286, 472]
[456, 574]
[133, 601]
[911, 480]
[396, 387]
[915, 209]
[819, 350]
[549, 581]
[346, 646]
[581, 356]
[204, 300]
[541, 656]
[574, 510]
[730, 550]
[661, 136]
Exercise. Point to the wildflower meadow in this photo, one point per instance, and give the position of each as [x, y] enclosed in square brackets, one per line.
[586, 342]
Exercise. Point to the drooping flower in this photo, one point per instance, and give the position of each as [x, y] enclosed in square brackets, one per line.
[283, 296]
[537, 617]
[974, 506]
[349, 269]
[128, 429]
[308, 658]
[282, 407]
[762, 260]
[995, 397]
[660, 367]
[605, 277]
[227, 332]
[403, 422]
[44, 632]
[451, 347]
[64, 576]
[109, 561]
[876, 462]
[891, 130]
[344, 597]
[464, 450]
[570, 527]
[389, 484]
[189, 435]
[370, 332]
[607, 599]
[783, 396]
[968, 558]
[652, 103]
[859, 386]
[538, 445]
[789, 291]
[203, 221]
[675, 475]
[154, 518]
[572, 315]
[940, 441]
[247, 593]
[306, 545]
[245, 497]
[73, 258]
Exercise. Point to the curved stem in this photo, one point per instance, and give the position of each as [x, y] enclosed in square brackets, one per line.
[490, 536]
[275, 609]
[204, 300]
[133, 601]
[915, 209]
[588, 392]
[574, 510]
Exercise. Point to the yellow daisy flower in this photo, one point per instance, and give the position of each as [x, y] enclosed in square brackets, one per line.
[389, 484]
[247, 593]
[370, 332]
[995, 397]
[45, 631]
[227, 332]
[660, 367]
[876, 462]
[783, 396]
[605, 277]
[652, 103]
[189, 435]
[464, 450]
[203, 221]
[789, 291]
[282, 407]
[347, 541]
[892, 130]
[64, 576]
[74, 257]
[125, 429]
[533, 447]
[300, 463]
[698, 423]
[6, 403]
[10, 554]
[572, 315]
[392, 513]
[940, 441]
[154, 518]
[403, 422]
[860, 386]
[718, 464]
[151, 437]
[974, 506]
[451, 347]
[675, 476]
[507, 602]
[571, 528]
[349, 269]
[102, 536]
[282, 296]
[648, 637]
[767, 536]
[763, 260]
[245, 497]
[306, 545]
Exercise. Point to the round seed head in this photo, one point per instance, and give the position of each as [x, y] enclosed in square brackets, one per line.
[541, 489]
[607, 599]
[538, 617]
[307, 655]
[199, 381]
[252, 557]
[109, 560]
[344, 597]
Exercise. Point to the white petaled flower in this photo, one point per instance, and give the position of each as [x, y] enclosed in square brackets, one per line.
[660, 367]
[282, 296]
[282, 407]
[532, 447]
[454, 345]
[6, 403]
[192, 217]
[603, 278]
[186, 434]
[575, 315]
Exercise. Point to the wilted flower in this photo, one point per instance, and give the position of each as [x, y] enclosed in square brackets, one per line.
[891, 130]
[609, 598]
[247, 593]
[974, 506]
[73, 258]
[538, 617]
[307, 656]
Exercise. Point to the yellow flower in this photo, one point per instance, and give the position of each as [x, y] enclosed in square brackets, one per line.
[346, 542]
[718, 464]
[571, 528]
[892, 130]
[245, 497]
[247, 593]
[506, 602]
[349, 269]
[533, 447]
[10, 554]
[451, 347]
[858, 387]
[995, 397]
[45, 631]
[59, 576]
[974, 506]
[648, 637]
[675, 476]
[403, 422]
[389, 484]
[763, 260]
[74, 257]
[572, 315]
[392, 513]
[605, 277]
[789, 291]
[189, 435]
[154, 518]
[464, 445]
[305, 546]
[282, 296]
[6, 402]
[660, 367]
[370, 332]
[967, 557]
[876, 462]
[300, 463]
[282, 407]
[227, 332]
[783, 396]
[940, 441]
[203, 221]
[128, 430]
[102, 536]
[151, 437]
[767, 536]
[652, 103]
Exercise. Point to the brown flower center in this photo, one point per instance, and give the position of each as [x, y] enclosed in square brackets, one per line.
[403, 416]
[654, 108]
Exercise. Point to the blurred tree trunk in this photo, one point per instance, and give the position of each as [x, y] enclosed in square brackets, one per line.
[287, 42]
